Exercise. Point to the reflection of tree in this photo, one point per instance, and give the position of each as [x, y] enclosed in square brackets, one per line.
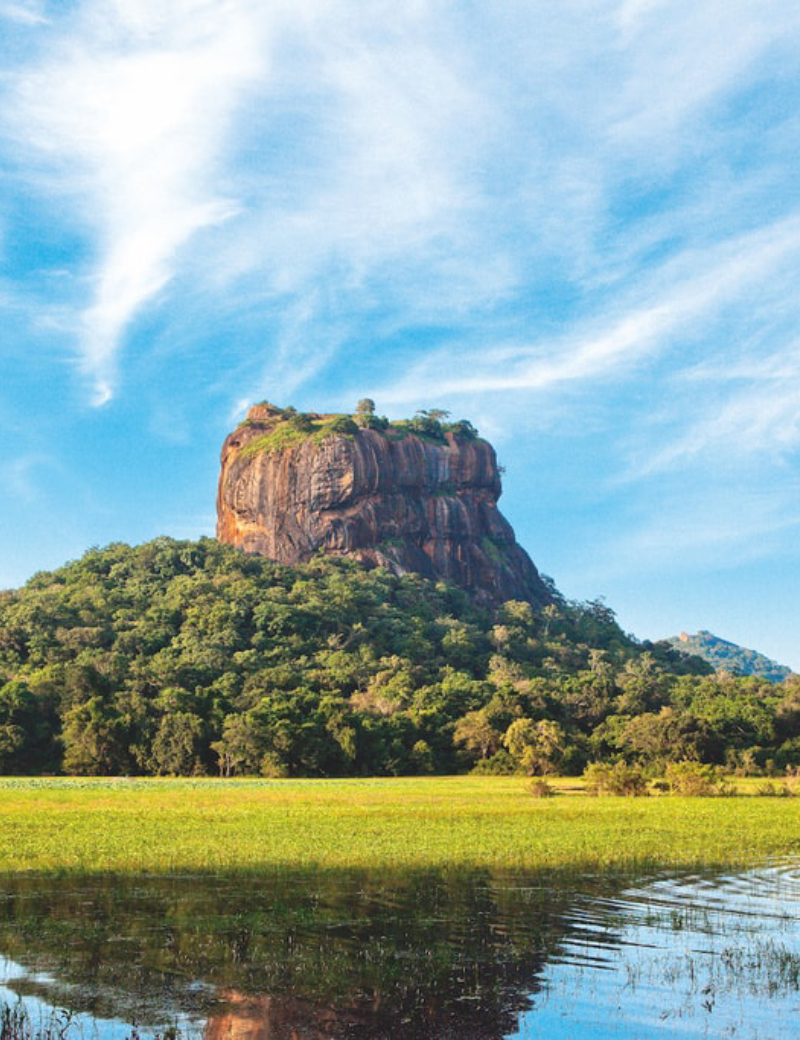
[300, 954]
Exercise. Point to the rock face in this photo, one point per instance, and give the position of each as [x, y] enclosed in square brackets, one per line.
[388, 498]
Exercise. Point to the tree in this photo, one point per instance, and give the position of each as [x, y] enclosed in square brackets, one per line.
[477, 734]
[537, 747]
[94, 740]
[463, 428]
[422, 757]
[366, 406]
[428, 422]
[177, 744]
[643, 686]
[669, 736]
[26, 730]
[368, 421]
[550, 613]
[243, 745]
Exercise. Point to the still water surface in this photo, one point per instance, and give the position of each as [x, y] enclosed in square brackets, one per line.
[477, 955]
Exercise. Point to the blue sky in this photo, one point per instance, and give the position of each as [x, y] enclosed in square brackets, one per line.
[576, 224]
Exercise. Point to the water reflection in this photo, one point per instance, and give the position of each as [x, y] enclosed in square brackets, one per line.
[689, 957]
[312, 954]
[478, 955]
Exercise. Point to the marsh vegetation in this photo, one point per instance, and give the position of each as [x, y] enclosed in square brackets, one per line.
[90, 825]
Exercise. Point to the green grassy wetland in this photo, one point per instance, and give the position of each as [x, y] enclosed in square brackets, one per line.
[150, 825]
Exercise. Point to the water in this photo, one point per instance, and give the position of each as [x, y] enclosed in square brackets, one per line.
[678, 958]
[475, 955]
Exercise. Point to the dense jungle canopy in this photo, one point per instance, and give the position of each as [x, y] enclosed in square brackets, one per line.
[188, 658]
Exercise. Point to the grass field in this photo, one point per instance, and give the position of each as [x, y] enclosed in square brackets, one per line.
[175, 825]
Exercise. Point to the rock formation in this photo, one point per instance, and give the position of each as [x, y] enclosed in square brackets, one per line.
[291, 486]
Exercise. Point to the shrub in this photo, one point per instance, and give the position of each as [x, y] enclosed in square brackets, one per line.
[271, 766]
[302, 422]
[428, 424]
[463, 428]
[691, 779]
[744, 761]
[539, 788]
[367, 421]
[342, 424]
[619, 779]
[500, 764]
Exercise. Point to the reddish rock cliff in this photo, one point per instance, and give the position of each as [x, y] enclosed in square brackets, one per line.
[388, 498]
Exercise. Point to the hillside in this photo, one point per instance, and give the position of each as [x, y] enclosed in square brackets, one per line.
[193, 658]
[724, 656]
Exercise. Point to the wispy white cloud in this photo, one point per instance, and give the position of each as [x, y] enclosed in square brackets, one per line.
[422, 164]
[683, 58]
[21, 476]
[31, 13]
[125, 116]
[563, 220]
[702, 528]
[752, 413]
[685, 292]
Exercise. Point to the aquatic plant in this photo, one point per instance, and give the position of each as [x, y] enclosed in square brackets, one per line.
[17, 1023]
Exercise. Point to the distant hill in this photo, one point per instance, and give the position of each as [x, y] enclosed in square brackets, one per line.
[728, 657]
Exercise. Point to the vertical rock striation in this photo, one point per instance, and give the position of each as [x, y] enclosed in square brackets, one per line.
[389, 498]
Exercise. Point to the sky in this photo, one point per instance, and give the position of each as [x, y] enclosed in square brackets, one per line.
[575, 224]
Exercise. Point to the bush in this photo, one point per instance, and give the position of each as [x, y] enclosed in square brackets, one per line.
[500, 764]
[301, 421]
[693, 780]
[768, 789]
[272, 767]
[372, 422]
[619, 779]
[427, 424]
[342, 424]
[463, 428]
[539, 788]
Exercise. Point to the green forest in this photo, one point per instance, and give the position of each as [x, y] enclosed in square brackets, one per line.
[191, 658]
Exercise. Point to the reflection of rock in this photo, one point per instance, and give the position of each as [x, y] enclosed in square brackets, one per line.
[246, 1018]
[387, 498]
[291, 1018]
[271, 1018]
[304, 956]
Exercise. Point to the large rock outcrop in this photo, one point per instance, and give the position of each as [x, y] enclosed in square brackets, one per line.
[390, 498]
